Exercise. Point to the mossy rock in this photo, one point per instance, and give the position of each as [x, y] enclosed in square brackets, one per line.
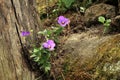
[93, 12]
[108, 67]
[92, 57]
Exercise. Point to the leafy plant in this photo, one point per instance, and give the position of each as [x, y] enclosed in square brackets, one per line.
[105, 22]
[62, 6]
[42, 54]
[67, 3]
[42, 57]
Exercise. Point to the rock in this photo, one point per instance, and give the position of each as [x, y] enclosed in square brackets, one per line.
[88, 56]
[93, 12]
[116, 23]
[117, 20]
[83, 46]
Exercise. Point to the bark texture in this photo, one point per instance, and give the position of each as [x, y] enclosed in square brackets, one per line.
[16, 16]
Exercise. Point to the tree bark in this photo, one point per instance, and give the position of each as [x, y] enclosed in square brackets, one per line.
[16, 16]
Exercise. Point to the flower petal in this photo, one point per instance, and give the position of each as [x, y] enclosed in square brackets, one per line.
[63, 21]
[45, 45]
[51, 49]
[25, 33]
[50, 44]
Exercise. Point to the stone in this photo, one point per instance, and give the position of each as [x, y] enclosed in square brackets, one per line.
[116, 23]
[93, 12]
[87, 52]
[83, 46]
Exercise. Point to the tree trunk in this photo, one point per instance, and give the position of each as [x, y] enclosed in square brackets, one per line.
[16, 16]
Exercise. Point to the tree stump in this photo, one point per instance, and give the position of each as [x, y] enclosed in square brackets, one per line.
[16, 16]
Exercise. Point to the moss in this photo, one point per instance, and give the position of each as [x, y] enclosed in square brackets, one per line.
[104, 66]
[108, 65]
[110, 49]
[111, 44]
[74, 72]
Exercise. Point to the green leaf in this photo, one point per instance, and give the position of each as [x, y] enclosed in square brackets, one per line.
[39, 54]
[35, 50]
[45, 51]
[41, 61]
[36, 59]
[101, 19]
[106, 24]
[33, 55]
[46, 32]
[58, 30]
[47, 66]
[49, 32]
[41, 32]
[67, 2]
[108, 21]
[47, 69]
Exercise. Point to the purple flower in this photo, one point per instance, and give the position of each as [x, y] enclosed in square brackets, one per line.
[25, 33]
[49, 44]
[63, 21]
